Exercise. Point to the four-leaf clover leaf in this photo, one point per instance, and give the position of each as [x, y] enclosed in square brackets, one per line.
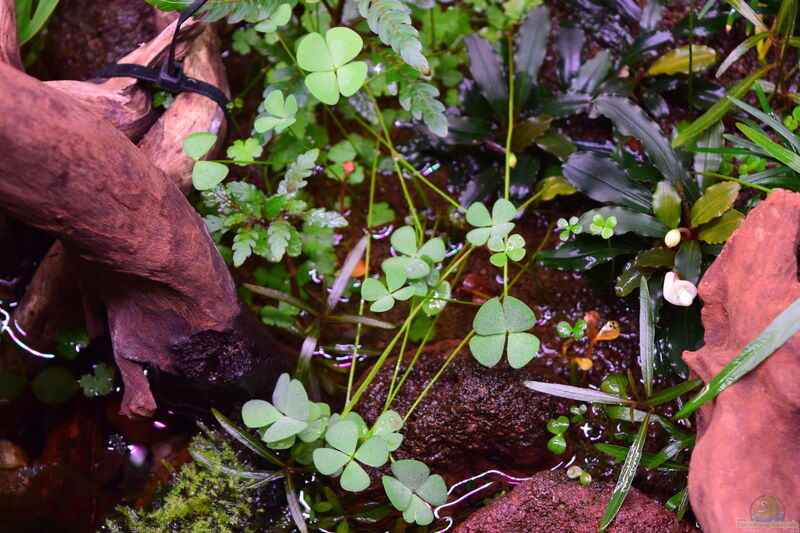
[290, 415]
[384, 296]
[568, 227]
[283, 112]
[328, 62]
[205, 174]
[603, 227]
[511, 247]
[494, 323]
[494, 226]
[345, 453]
[416, 261]
[413, 490]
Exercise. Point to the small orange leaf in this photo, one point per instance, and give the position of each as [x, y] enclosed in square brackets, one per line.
[359, 269]
[583, 363]
[609, 331]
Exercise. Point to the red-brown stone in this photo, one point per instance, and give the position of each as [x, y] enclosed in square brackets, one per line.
[746, 436]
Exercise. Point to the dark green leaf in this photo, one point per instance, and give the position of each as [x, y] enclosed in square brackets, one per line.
[486, 68]
[782, 154]
[667, 204]
[646, 337]
[656, 257]
[604, 180]
[687, 261]
[530, 50]
[255, 445]
[11, 386]
[673, 392]
[627, 221]
[619, 453]
[629, 119]
[54, 385]
[569, 43]
[770, 121]
[715, 201]
[740, 50]
[584, 253]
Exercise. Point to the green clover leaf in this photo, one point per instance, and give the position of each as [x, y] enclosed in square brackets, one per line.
[205, 174]
[413, 490]
[328, 62]
[276, 19]
[384, 296]
[511, 247]
[603, 227]
[416, 261]
[283, 112]
[568, 227]
[388, 426]
[290, 415]
[346, 456]
[495, 323]
[497, 225]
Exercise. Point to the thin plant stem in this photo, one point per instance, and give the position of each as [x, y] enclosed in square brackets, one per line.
[737, 180]
[510, 119]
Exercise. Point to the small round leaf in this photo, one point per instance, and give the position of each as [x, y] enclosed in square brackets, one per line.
[198, 144]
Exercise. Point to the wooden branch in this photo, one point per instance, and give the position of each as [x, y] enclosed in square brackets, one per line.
[147, 253]
[9, 39]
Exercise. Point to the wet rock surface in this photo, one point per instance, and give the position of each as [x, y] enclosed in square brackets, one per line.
[83, 37]
[473, 419]
[551, 502]
[744, 465]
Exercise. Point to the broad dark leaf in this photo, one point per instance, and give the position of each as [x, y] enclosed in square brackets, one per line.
[584, 253]
[604, 180]
[531, 46]
[687, 261]
[486, 67]
[628, 220]
[569, 43]
[646, 44]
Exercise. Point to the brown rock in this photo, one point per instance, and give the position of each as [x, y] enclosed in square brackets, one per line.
[744, 462]
[474, 418]
[550, 502]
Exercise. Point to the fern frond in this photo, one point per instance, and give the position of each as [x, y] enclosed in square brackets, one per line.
[419, 97]
[390, 20]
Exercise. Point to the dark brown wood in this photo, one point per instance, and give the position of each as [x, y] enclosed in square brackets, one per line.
[146, 254]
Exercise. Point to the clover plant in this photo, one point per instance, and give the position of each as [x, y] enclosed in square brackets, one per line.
[290, 415]
[328, 62]
[490, 227]
[385, 295]
[416, 261]
[277, 18]
[344, 454]
[603, 227]
[502, 327]
[412, 490]
[281, 112]
[205, 174]
[568, 227]
[511, 247]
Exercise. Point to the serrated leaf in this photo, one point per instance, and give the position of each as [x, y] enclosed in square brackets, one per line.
[391, 21]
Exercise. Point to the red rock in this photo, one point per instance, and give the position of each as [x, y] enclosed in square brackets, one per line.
[745, 462]
[551, 502]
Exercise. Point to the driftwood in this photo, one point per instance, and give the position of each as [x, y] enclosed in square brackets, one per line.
[141, 249]
[744, 467]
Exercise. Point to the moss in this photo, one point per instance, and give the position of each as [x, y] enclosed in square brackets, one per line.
[199, 498]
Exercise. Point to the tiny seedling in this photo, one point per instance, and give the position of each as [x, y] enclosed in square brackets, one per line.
[281, 112]
[413, 490]
[328, 62]
[568, 227]
[557, 426]
[603, 226]
[494, 323]
[576, 332]
[495, 226]
[576, 472]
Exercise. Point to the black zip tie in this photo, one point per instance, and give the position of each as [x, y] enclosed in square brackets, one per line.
[170, 76]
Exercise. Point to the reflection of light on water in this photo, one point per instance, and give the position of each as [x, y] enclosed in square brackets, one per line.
[5, 320]
[382, 233]
[159, 425]
[511, 480]
[138, 455]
